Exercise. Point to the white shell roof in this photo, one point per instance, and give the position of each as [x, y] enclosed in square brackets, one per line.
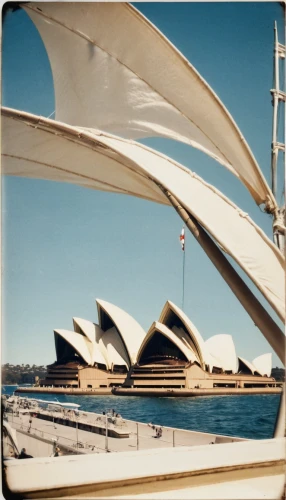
[132, 334]
[184, 337]
[97, 355]
[222, 348]
[248, 364]
[172, 336]
[263, 364]
[78, 342]
[114, 349]
[212, 361]
[86, 327]
[92, 331]
[194, 334]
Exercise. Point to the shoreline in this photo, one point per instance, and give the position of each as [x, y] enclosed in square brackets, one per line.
[225, 391]
[65, 390]
[222, 391]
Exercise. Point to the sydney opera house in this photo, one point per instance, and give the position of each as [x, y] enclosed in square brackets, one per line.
[173, 354]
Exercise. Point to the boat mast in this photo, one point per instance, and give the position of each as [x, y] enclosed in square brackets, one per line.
[251, 304]
[278, 96]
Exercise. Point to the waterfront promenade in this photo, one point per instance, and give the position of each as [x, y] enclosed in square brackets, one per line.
[74, 391]
[217, 391]
[122, 391]
[73, 439]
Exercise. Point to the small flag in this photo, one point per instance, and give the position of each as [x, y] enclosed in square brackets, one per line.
[182, 239]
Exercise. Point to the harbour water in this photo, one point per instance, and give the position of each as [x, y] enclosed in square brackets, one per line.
[245, 416]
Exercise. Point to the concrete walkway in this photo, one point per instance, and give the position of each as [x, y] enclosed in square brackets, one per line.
[217, 391]
[123, 391]
[141, 436]
[65, 390]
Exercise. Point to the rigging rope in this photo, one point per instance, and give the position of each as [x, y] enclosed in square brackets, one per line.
[184, 259]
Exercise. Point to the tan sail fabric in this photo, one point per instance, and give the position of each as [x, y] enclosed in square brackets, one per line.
[114, 71]
[41, 148]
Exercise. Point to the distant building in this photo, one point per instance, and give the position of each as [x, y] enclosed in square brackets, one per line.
[172, 354]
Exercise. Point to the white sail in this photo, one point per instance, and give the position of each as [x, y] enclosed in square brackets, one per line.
[114, 71]
[41, 148]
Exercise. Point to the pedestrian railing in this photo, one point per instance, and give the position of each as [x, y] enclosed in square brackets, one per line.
[53, 437]
[141, 436]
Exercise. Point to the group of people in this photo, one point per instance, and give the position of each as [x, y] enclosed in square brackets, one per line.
[112, 413]
[23, 454]
[158, 430]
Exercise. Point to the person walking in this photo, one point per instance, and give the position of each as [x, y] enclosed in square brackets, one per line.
[30, 424]
[57, 452]
[23, 454]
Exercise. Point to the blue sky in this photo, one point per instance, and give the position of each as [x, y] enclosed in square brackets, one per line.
[63, 245]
